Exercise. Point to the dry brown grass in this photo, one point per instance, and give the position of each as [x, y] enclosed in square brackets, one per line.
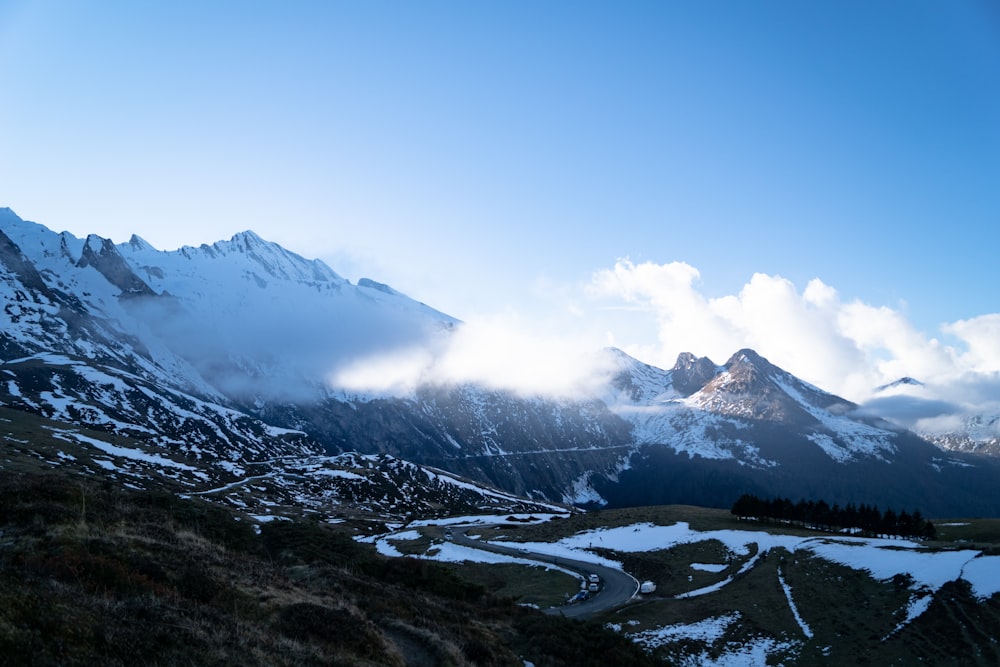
[148, 578]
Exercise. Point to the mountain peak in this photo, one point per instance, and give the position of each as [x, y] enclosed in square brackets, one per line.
[248, 239]
[901, 382]
[103, 256]
[98, 245]
[691, 373]
[139, 243]
[748, 356]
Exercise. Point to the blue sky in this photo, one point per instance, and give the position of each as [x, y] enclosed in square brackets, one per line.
[497, 160]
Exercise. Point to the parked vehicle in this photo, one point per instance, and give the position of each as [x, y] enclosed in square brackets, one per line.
[647, 587]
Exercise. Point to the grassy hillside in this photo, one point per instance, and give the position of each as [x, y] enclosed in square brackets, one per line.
[853, 618]
[94, 572]
[91, 573]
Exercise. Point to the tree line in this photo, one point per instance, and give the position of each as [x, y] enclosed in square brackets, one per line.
[863, 519]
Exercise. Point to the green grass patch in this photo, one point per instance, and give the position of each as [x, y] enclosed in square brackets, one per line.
[670, 569]
[756, 597]
[983, 532]
[524, 584]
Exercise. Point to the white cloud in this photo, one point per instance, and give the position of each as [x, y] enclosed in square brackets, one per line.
[846, 347]
[982, 336]
[666, 293]
[497, 352]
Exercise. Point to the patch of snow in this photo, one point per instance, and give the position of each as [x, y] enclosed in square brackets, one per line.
[929, 570]
[582, 493]
[747, 566]
[487, 519]
[708, 630]
[341, 474]
[123, 452]
[983, 573]
[806, 630]
[404, 536]
[709, 567]
[850, 437]
[918, 604]
[267, 518]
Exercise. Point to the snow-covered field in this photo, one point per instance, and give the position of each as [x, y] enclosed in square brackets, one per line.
[927, 570]
[881, 558]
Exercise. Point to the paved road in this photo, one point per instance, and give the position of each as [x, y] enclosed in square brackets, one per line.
[617, 587]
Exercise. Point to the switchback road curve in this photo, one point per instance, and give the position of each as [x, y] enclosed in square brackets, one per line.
[617, 587]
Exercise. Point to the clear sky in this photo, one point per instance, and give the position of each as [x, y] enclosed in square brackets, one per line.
[814, 179]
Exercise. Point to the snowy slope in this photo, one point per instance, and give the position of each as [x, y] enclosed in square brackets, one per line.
[234, 300]
[219, 309]
[715, 420]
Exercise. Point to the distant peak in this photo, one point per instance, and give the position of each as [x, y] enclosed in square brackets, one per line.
[901, 382]
[97, 244]
[686, 361]
[139, 243]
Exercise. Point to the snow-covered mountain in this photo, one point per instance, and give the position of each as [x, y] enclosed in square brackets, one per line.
[701, 430]
[696, 404]
[223, 352]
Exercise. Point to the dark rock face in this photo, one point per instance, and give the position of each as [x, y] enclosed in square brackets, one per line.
[110, 263]
[536, 448]
[14, 261]
[691, 373]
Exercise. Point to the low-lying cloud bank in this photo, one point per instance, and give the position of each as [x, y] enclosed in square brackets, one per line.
[499, 353]
[656, 311]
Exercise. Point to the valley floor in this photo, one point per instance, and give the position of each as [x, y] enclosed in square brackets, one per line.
[747, 596]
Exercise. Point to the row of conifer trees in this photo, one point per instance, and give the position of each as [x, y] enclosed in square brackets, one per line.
[866, 520]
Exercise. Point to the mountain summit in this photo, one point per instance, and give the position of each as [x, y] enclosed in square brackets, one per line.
[750, 386]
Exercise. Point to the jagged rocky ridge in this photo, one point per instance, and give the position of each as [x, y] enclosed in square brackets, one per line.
[211, 353]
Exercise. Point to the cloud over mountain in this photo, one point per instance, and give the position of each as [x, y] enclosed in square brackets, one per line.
[846, 346]
[500, 352]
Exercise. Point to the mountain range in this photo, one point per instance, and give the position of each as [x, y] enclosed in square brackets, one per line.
[227, 356]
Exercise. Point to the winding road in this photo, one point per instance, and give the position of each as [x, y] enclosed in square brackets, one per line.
[617, 587]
